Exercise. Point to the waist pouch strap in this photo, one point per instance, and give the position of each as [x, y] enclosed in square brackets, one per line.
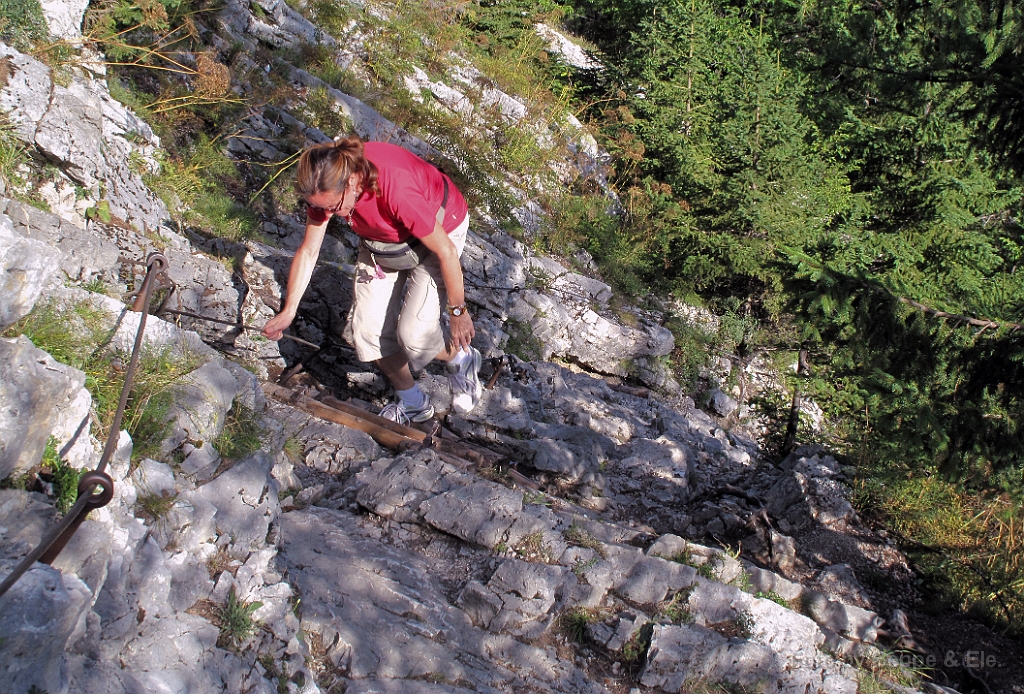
[404, 255]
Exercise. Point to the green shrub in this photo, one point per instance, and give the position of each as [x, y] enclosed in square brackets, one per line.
[63, 477]
[22, 23]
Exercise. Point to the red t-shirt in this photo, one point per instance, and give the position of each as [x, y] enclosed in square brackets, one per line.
[411, 191]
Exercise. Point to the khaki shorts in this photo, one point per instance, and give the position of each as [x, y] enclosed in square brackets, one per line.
[401, 312]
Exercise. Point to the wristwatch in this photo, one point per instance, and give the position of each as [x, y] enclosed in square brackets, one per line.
[457, 310]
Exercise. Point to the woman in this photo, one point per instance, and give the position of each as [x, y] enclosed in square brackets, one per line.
[388, 196]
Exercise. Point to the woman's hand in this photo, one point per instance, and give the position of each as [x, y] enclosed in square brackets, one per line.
[276, 326]
[298, 278]
[462, 331]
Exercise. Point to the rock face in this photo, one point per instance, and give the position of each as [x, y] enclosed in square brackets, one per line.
[83, 129]
[25, 270]
[40, 615]
[79, 256]
[64, 17]
[35, 391]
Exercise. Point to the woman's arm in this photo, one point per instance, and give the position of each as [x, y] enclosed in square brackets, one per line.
[298, 278]
[451, 271]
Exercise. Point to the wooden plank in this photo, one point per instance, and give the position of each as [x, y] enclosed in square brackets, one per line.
[382, 435]
[391, 434]
[408, 432]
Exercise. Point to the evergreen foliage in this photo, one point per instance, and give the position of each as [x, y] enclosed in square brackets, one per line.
[812, 166]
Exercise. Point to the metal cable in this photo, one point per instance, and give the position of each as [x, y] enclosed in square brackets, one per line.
[516, 288]
[88, 498]
[233, 324]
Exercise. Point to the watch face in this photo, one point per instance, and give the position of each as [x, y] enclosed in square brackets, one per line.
[458, 311]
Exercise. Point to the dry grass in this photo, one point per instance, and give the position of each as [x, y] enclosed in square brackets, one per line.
[969, 545]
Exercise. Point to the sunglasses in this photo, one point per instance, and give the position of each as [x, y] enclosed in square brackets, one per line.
[329, 210]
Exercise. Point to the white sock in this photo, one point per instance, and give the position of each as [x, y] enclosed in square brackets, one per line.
[414, 398]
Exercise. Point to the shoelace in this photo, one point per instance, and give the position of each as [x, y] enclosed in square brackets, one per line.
[395, 412]
[460, 380]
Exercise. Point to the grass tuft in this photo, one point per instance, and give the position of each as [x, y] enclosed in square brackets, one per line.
[241, 434]
[576, 535]
[574, 623]
[13, 155]
[676, 609]
[774, 597]
[78, 336]
[532, 547]
[236, 622]
[156, 507]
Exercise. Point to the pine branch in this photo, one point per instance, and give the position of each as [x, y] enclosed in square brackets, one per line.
[955, 317]
[982, 323]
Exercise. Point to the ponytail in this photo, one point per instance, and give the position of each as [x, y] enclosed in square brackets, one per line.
[325, 168]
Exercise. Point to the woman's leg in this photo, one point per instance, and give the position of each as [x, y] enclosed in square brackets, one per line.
[376, 306]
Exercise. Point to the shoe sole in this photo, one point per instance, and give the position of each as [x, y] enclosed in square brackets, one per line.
[477, 361]
[478, 389]
[424, 416]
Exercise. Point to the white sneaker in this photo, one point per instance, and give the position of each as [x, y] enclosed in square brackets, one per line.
[400, 414]
[464, 380]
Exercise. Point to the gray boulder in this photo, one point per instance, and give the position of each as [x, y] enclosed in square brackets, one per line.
[38, 617]
[26, 269]
[721, 403]
[64, 17]
[33, 390]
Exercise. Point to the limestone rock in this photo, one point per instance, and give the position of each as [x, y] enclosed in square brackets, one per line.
[33, 390]
[64, 17]
[840, 583]
[721, 403]
[67, 124]
[482, 512]
[245, 499]
[650, 579]
[382, 615]
[26, 269]
[526, 592]
[696, 653]
[38, 617]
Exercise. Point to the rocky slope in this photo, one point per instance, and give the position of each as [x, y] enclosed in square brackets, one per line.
[369, 570]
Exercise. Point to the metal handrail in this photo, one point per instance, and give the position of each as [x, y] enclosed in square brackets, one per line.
[88, 497]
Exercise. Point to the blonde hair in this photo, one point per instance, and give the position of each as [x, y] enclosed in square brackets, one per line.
[325, 168]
